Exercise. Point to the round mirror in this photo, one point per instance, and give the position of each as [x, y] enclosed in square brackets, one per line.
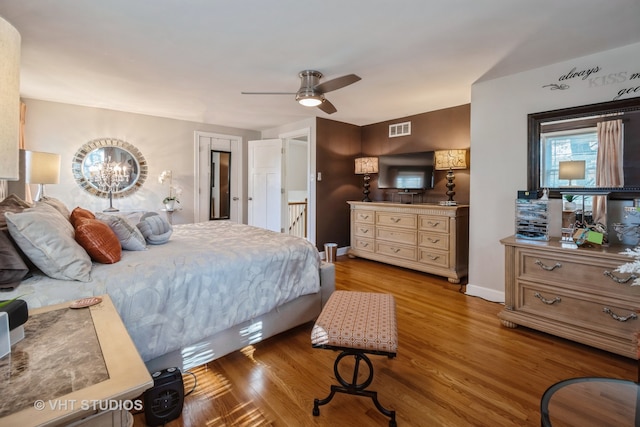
[109, 165]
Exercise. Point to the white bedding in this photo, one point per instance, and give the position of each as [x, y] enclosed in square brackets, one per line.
[208, 277]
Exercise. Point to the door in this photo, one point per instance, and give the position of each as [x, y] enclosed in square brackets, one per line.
[266, 192]
[218, 176]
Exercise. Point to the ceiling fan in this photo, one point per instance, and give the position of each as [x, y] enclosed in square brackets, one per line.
[311, 92]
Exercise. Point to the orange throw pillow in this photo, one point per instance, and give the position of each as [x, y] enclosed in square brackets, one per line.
[100, 242]
[78, 214]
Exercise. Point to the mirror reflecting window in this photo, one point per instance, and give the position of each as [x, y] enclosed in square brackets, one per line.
[605, 136]
[220, 185]
[108, 164]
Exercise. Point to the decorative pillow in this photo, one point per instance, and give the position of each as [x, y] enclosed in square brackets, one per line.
[48, 240]
[155, 229]
[78, 214]
[131, 239]
[99, 241]
[56, 204]
[12, 268]
[11, 203]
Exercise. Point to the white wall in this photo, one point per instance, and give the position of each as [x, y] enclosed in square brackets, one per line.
[499, 110]
[165, 144]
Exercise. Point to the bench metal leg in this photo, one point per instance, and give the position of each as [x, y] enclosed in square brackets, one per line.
[353, 387]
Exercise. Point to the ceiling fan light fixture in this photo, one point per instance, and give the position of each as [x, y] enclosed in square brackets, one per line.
[310, 101]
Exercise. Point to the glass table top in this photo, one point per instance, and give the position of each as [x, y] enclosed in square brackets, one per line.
[591, 401]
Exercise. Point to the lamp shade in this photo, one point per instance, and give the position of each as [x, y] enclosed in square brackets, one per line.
[574, 169]
[9, 100]
[366, 165]
[42, 168]
[451, 159]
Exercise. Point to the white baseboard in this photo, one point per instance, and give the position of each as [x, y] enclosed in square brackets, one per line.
[485, 293]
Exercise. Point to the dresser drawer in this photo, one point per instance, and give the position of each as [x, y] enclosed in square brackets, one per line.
[598, 314]
[433, 240]
[364, 230]
[434, 257]
[587, 273]
[433, 223]
[397, 235]
[398, 220]
[367, 217]
[364, 244]
[395, 250]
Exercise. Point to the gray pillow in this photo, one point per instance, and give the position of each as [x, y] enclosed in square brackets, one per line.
[12, 267]
[56, 204]
[155, 229]
[131, 239]
[47, 239]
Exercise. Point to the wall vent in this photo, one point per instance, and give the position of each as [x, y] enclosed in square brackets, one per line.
[400, 129]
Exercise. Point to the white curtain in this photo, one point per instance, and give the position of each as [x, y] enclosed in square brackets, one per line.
[609, 166]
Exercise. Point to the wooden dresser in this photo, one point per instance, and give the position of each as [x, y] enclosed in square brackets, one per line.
[572, 292]
[424, 237]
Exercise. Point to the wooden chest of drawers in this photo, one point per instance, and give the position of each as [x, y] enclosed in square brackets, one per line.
[424, 237]
[572, 292]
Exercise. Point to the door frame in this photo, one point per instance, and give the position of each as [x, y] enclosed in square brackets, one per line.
[236, 151]
[311, 175]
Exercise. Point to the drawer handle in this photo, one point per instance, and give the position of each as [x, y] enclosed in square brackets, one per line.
[433, 240]
[547, 301]
[364, 216]
[433, 224]
[364, 230]
[619, 318]
[395, 220]
[619, 279]
[433, 257]
[364, 244]
[395, 250]
[546, 267]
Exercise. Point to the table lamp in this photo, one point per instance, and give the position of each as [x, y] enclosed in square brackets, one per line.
[41, 168]
[573, 169]
[449, 160]
[366, 166]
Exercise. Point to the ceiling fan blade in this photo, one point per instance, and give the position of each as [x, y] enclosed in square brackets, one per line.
[268, 93]
[327, 107]
[337, 83]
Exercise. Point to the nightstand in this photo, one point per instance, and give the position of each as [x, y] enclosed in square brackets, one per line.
[74, 365]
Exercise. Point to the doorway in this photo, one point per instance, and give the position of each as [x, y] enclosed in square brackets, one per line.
[282, 172]
[300, 171]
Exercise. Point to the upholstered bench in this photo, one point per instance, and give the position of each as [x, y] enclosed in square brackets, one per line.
[357, 324]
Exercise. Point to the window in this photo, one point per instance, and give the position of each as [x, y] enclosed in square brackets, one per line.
[556, 147]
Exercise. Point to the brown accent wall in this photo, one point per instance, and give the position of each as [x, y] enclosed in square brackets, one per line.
[337, 145]
[435, 130]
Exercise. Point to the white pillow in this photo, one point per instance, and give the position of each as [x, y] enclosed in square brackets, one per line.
[131, 239]
[47, 238]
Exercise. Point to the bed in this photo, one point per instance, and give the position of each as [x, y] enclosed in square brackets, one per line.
[212, 288]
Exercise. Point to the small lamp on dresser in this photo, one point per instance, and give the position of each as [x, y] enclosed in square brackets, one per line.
[449, 160]
[572, 169]
[366, 166]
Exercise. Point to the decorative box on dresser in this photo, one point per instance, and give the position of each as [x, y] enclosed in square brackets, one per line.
[424, 237]
[572, 292]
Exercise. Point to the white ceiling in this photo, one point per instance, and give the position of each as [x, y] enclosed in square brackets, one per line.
[190, 59]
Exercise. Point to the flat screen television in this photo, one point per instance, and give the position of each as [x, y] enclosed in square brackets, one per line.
[408, 171]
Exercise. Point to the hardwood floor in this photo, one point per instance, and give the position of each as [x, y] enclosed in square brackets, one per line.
[456, 366]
